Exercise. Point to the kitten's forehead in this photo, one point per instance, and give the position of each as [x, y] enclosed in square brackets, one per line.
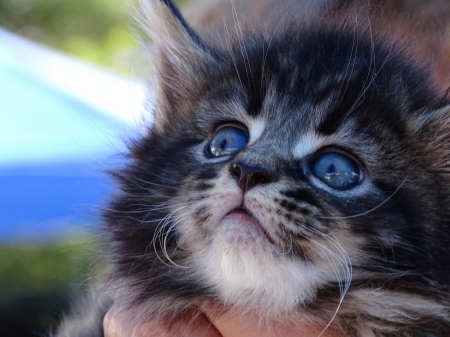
[303, 88]
[293, 131]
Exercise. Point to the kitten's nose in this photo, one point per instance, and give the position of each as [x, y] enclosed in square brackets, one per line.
[249, 176]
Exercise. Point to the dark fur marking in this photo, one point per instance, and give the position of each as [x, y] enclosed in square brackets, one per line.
[305, 211]
[201, 185]
[207, 174]
[301, 195]
[288, 205]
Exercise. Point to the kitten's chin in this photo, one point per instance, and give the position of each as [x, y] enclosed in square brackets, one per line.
[249, 271]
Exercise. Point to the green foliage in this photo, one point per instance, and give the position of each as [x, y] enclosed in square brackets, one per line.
[96, 30]
[46, 267]
[39, 282]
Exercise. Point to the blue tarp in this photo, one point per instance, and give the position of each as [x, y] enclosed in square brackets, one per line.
[54, 149]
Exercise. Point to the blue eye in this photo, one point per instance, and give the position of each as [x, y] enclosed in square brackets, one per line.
[227, 141]
[337, 171]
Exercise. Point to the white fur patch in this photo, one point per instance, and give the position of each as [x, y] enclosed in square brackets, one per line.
[256, 128]
[249, 273]
[395, 306]
[308, 144]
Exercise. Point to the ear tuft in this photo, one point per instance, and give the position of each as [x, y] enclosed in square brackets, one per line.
[164, 24]
[178, 53]
[433, 132]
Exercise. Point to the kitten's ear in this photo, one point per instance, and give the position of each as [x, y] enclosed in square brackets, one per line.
[433, 134]
[178, 52]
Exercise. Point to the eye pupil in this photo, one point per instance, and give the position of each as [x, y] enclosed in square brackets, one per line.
[223, 144]
[337, 171]
[227, 140]
[332, 169]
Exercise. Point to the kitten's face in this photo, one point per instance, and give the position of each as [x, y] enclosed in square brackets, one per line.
[280, 174]
[297, 169]
[260, 223]
[258, 220]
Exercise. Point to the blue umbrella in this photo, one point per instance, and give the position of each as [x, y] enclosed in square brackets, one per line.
[62, 124]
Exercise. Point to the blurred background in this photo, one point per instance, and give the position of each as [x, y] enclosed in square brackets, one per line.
[71, 93]
[93, 30]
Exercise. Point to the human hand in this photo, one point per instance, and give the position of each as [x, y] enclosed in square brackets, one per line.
[234, 324]
[120, 323]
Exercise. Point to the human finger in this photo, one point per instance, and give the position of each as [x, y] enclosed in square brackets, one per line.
[235, 324]
[121, 323]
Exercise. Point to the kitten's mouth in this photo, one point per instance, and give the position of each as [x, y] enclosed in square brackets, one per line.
[241, 210]
[244, 216]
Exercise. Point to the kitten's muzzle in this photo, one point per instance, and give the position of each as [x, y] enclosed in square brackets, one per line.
[248, 176]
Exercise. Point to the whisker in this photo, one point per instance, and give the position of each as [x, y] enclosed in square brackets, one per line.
[353, 62]
[233, 58]
[263, 67]
[162, 233]
[370, 210]
[344, 262]
[290, 242]
[241, 40]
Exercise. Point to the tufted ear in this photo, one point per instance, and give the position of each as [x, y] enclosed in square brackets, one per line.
[179, 53]
[433, 132]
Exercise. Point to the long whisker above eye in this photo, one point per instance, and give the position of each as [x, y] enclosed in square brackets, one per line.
[233, 58]
[266, 52]
[345, 83]
[240, 36]
[370, 210]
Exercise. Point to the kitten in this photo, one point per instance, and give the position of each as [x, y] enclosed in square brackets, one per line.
[298, 171]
